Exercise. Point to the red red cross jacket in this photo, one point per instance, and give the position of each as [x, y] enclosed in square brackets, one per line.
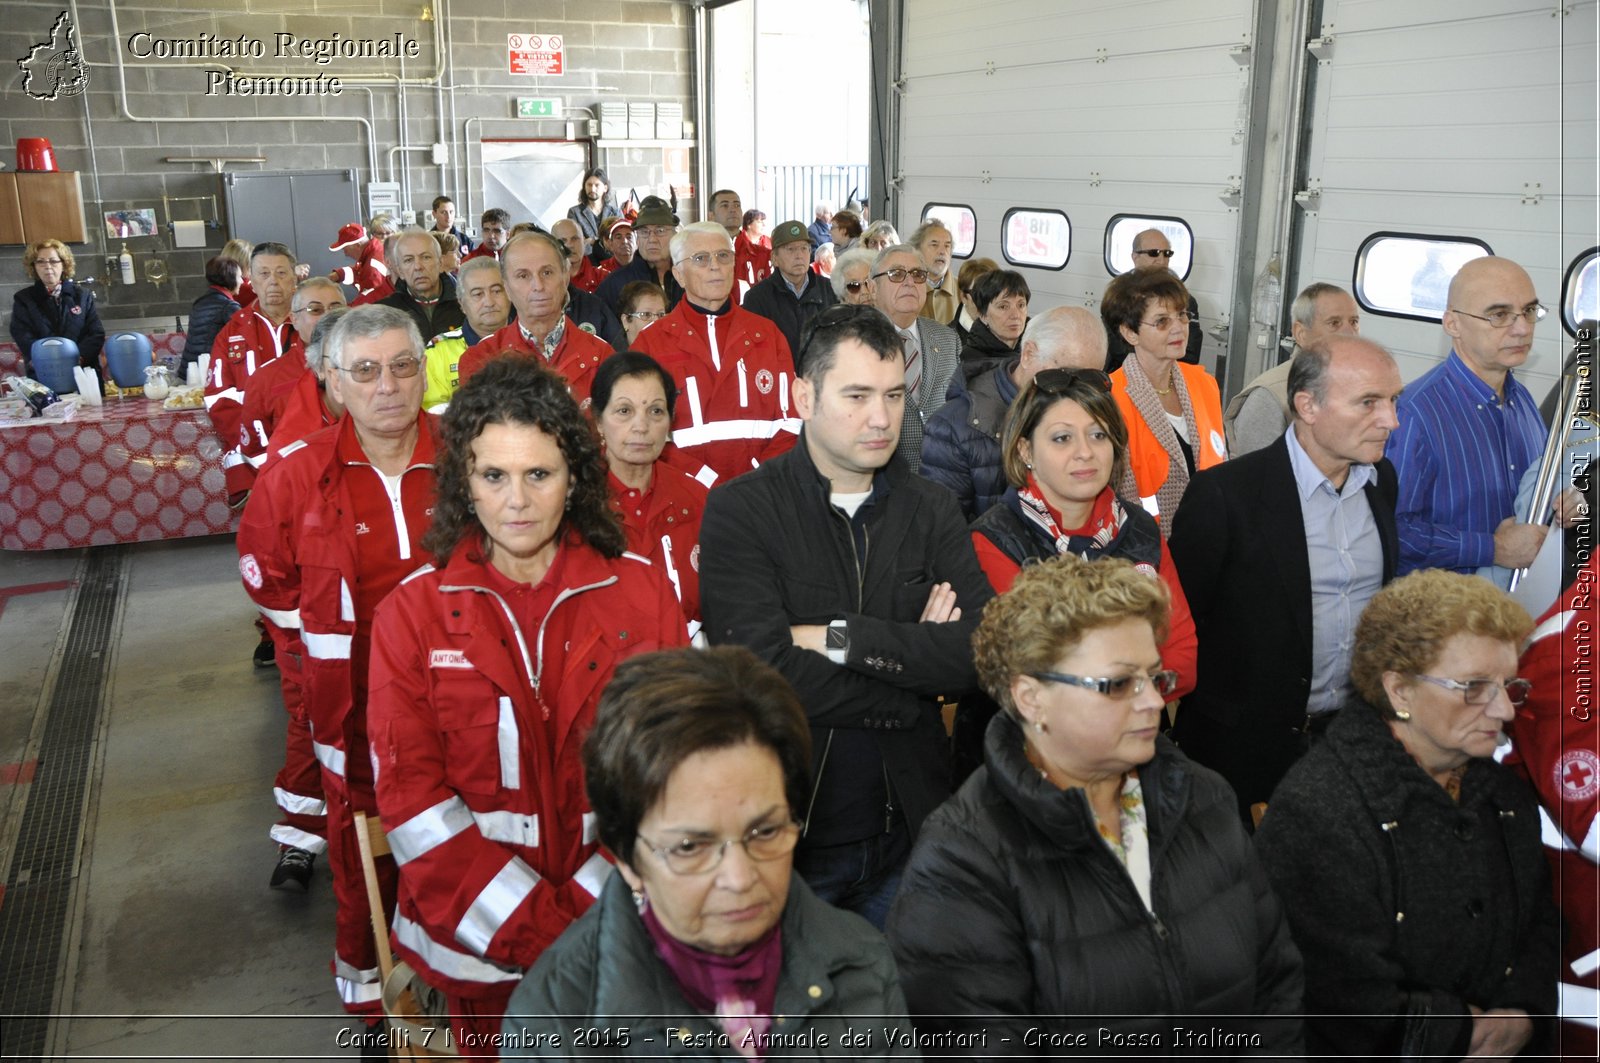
[480, 785]
[1556, 737]
[297, 557]
[576, 357]
[270, 389]
[303, 413]
[664, 525]
[246, 343]
[369, 276]
[735, 376]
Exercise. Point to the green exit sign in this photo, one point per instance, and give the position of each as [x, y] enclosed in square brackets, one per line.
[534, 107]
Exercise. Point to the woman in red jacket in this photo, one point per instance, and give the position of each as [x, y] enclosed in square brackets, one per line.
[485, 676]
[633, 400]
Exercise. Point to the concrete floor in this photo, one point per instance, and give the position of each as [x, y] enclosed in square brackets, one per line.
[177, 947]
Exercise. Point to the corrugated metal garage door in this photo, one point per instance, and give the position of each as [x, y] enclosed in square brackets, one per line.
[1471, 119]
[1021, 86]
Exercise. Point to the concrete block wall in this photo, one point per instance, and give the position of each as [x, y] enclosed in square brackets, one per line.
[616, 50]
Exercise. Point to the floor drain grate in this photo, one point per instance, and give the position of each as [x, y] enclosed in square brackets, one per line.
[38, 894]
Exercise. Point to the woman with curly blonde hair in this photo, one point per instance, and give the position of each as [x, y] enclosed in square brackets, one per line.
[1089, 878]
[1408, 860]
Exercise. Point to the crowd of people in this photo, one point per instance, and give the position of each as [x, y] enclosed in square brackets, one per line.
[905, 649]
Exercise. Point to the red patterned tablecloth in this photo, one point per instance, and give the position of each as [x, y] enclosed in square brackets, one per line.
[126, 472]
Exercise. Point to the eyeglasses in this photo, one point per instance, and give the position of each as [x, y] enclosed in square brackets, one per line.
[47, 262]
[898, 275]
[1157, 252]
[647, 315]
[1482, 691]
[654, 231]
[854, 287]
[318, 308]
[1120, 688]
[402, 368]
[1503, 317]
[705, 258]
[698, 856]
[1058, 381]
[1164, 322]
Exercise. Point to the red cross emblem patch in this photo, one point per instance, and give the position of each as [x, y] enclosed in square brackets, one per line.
[1578, 775]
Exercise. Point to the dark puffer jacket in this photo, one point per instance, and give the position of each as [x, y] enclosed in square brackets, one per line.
[1012, 906]
[961, 441]
[206, 317]
[1405, 903]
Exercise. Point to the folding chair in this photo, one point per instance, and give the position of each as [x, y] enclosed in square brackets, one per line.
[400, 1004]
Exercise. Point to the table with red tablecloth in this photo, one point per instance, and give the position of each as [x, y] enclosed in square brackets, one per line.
[128, 471]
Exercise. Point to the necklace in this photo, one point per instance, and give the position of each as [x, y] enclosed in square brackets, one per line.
[1163, 392]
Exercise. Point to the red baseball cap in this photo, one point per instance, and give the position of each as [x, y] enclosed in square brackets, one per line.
[348, 235]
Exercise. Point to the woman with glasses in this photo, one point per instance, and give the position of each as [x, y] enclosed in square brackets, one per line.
[1173, 409]
[640, 305]
[1090, 879]
[633, 400]
[706, 942]
[54, 305]
[485, 675]
[852, 276]
[1408, 859]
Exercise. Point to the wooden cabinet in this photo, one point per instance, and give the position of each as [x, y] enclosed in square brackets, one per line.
[10, 211]
[38, 206]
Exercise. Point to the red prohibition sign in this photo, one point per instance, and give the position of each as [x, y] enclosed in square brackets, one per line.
[535, 43]
[516, 41]
[555, 44]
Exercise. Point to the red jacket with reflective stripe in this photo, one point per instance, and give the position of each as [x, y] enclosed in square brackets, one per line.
[246, 343]
[297, 557]
[264, 401]
[666, 528]
[576, 357]
[1557, 748]
[480, 784]
[369, 276]
[735, 410]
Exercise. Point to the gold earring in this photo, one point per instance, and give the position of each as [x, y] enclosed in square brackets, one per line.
[1402, 715]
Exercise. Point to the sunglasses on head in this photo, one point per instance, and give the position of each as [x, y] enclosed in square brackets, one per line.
[1157, 252]
[833, 317]
[1059, 381]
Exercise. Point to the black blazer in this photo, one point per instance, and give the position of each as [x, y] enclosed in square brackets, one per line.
[1239, 544]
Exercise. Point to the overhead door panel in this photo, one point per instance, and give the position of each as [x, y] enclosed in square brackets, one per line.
[1093, 110]
[1467, 119]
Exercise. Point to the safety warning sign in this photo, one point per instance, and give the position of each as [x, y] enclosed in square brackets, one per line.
[531, 53]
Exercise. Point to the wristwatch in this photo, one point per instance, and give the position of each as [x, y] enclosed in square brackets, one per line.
[838, 641]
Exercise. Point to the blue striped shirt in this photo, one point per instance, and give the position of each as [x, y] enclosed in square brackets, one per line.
[1460, 452]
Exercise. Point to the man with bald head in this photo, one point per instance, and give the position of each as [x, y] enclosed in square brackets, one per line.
[1313, 517]
[961, 441]
[1258, 415]
[1469, 430]
[582, 273]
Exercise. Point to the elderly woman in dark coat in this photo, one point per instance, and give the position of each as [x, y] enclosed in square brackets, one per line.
[1090, 881]
[706, 943]
[54, 305]
[1408, 860]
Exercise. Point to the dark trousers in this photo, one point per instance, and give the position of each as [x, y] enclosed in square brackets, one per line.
[860, 877]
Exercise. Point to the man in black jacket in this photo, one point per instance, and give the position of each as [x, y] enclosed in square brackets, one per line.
[1312, 518]
[857, 580]
[421, 288]
[792, 295]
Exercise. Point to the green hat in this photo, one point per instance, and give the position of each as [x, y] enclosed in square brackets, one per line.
[788, 233]
[653, 210]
